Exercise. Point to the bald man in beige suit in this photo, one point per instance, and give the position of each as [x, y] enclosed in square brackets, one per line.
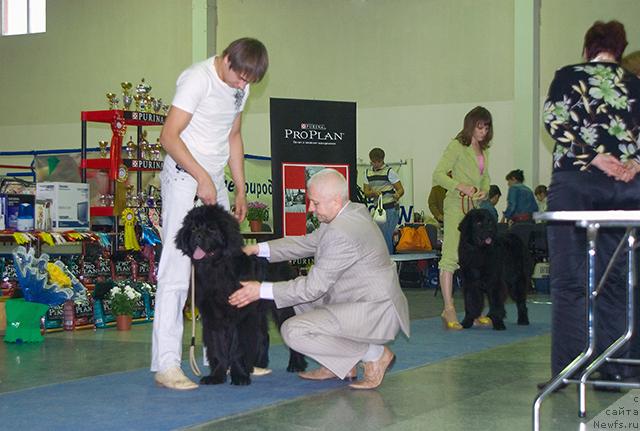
[350, 304]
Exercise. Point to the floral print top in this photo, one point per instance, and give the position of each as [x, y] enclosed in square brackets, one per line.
[593, 108]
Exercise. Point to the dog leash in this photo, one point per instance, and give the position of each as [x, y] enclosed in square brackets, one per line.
[192, 348]
[470, 204]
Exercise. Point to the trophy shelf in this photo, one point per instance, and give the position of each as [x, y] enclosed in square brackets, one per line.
[114, 163]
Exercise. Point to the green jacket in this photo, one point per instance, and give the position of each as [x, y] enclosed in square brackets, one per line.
[463, 164]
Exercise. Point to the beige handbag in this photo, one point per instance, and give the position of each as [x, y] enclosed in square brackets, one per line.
[379, 214]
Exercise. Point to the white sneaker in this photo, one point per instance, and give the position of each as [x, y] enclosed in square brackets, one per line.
[259, 372]
[174, 378]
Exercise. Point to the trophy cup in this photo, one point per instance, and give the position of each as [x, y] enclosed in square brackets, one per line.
[129, 196]
[143, 104]
[157, 105]
[138, 99]
[103, 148]
[143, 89]
[144, 145]
[144, 150]
[126, 94]
[113, 100]
[155, 151]
[165, 109]
[149, 102]
[131, 148]
[103, 200]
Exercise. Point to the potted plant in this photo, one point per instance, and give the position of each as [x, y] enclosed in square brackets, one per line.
[123, 302]
[257, 213]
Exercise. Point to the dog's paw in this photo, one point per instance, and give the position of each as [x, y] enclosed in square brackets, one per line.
[499, 325]
[523, 320]
[240, 380]
[213, 380]
[467, 323]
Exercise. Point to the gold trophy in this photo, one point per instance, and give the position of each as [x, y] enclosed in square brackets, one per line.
[130, 148]
[165, 109]
[129, 200]
[155, 152]
[126, 94]
[113, 100]
[138, 99]
[149, 102]
[103, 148]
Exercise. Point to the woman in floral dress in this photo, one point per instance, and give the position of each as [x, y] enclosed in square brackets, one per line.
[593, 113]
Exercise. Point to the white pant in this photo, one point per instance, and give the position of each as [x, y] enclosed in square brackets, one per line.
[174, 271]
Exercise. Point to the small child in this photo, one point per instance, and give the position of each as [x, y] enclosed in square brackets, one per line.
[541, 197]
[491, 201]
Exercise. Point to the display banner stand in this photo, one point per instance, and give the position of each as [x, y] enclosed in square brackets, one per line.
[307, 136]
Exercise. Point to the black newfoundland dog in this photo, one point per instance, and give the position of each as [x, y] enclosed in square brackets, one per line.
[492, 265]
[237, 339]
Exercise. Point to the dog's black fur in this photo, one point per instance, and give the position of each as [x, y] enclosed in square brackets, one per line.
[236, 338]
[492, 265]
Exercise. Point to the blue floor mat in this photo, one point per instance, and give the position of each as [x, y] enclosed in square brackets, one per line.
[130, 400]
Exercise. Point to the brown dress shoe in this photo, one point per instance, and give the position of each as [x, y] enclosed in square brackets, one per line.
[374, 371]
[324, 373]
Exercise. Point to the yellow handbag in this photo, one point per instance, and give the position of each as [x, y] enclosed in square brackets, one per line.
[413, 238]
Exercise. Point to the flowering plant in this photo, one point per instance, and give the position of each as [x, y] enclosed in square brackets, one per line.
[257, 211]
[123, 300]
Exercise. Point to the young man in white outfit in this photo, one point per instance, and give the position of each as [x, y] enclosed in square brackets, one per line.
[201, 135]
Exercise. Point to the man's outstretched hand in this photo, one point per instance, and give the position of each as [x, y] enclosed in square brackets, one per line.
[248, 293]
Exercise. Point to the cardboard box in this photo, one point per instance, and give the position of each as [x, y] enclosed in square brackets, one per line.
[11, 204]
[70, 208]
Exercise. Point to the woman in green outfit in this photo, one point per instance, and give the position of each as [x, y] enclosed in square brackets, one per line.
[467, 159]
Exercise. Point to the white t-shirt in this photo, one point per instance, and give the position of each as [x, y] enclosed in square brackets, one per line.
[214, 106]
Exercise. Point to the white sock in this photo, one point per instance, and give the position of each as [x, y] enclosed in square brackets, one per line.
[374, 353]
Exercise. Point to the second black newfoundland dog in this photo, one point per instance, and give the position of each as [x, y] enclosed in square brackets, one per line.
[492, 265]
[236, 338]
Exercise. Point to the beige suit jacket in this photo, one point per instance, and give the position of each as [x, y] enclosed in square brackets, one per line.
[353, 277]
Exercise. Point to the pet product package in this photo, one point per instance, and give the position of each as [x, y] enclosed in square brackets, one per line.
[70, 209]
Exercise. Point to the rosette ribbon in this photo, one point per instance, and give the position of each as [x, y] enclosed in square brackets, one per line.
[130, 240]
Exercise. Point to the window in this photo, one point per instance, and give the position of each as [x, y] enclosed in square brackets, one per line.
[24, 16]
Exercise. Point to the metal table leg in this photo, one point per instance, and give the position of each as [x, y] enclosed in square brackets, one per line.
[562, 377]
[606, 356]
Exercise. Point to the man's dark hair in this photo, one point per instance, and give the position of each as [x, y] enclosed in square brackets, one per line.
[516, 174]
[494, 190]
[248, 57]
[376, 155]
